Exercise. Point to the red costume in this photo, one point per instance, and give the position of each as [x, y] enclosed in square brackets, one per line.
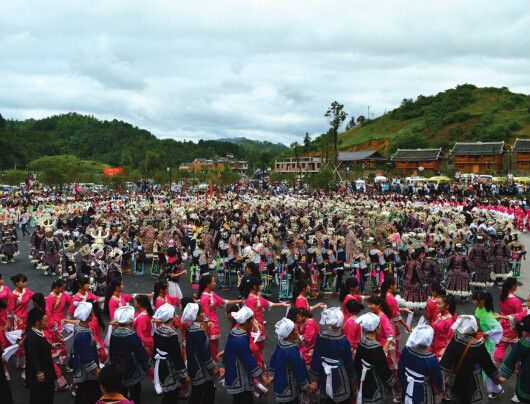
[511, 306]
[442, 333]
[210, 301]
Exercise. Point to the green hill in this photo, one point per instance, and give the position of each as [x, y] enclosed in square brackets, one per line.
[115, 143]
[255, 145]
[464, 113]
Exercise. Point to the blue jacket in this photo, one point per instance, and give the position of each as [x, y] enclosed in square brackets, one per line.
[240, 365]
[129, 355]
[290, 373]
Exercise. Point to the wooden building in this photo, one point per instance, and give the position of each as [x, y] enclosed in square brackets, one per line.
[521, 155]
[365, 159]
[202, 164]
[409, 160]
[305, 165]
[479, 157]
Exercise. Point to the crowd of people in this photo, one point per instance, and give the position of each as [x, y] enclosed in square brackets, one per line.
[386, 256]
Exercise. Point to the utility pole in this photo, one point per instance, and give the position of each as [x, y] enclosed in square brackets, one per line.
[368, 116]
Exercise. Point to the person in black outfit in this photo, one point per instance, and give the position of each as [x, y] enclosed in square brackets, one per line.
[5, 389]
[40, 373]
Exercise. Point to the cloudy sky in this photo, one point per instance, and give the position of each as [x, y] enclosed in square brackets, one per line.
[263, 69]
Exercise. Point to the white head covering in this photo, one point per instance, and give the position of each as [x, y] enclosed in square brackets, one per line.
[190, 312]
[423, 335]
[124, 315]
[368, 321]
[465, 324]
[283, 328]
[243, 315]
[82, 311]
[164, 313]
[332, 317]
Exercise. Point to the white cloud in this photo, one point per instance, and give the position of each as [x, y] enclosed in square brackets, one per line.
[264, 69]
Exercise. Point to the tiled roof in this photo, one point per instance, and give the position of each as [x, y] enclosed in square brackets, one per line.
[477, 149]
[360, 155]
[521, 145]
[416, 154]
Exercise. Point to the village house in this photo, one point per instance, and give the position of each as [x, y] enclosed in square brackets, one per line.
[478, 157]
[521, 155]
[365, 159]
[304, 165]
[410, 160]
[201, 164]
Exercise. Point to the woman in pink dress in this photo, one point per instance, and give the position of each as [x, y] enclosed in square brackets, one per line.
[142, 322]
[83, 294]
[56, 303]
[388, 289]
[161, 295]
[351, 330]
[301, 289]
[348, 291]
[510, 305]
[431, 310]
[257, 303]
[308, 329]
[116, 298]
[5, 301]
[442, 324]
[18, 310]
[385, 336]
[210, 301]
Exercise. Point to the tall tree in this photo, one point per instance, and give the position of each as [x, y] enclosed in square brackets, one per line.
[307, 142]
[361, 119]
[336, 117]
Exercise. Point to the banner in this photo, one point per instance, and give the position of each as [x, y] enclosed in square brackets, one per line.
[112, 171]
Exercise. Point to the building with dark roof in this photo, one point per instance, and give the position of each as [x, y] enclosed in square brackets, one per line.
[478, 157]
[366, 159]
[521, 154]
[410, 160]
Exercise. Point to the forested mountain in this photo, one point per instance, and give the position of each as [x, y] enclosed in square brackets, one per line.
[115, 143]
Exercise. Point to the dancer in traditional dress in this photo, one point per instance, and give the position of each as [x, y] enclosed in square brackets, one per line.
[510, 305]
[458, 274]
[419, 371]
[442, 324]
[348, 291]
[372, 373]
[240, 366]
[128, 354]
[489, 329]
[301, 289]
[142, 323]
[463, 362]
[40, 371]
[18, 310]
[201, 367]
[85, 358]
[210, 301]
[161, 295]
[500, 257]
[257, 303]
[170, 373]
[520, 353]
[351, 329]
[287, 365]
[479, 264]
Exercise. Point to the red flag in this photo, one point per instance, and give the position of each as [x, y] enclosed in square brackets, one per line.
[211, 189]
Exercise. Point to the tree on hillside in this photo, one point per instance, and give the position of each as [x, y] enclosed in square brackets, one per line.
[307, 142]
[296, 152]
[351, 123]
[336, 116]
[361, 119]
